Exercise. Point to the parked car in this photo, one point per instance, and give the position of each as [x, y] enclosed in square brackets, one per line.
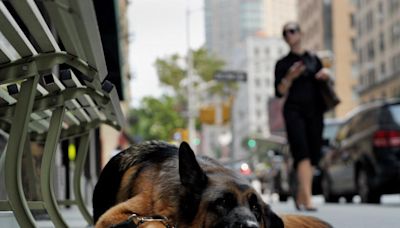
[365, 155]
[285, 179]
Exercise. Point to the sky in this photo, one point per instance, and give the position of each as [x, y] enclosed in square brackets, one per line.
[158, 30]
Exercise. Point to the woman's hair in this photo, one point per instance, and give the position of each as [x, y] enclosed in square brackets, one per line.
[291, 24]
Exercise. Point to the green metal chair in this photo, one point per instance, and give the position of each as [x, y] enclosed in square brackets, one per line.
[40, 102]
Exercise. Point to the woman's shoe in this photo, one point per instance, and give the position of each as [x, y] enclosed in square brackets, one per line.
[310, 209]
[296, 205]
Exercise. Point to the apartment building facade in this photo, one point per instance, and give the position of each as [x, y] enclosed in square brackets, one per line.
[378, 45]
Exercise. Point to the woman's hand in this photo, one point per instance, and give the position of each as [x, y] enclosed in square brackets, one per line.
[295, 70]
[323, 74]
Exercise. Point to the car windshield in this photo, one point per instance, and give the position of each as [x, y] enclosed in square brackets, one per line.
[395, 111]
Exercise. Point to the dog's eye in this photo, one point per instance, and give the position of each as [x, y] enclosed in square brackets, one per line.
[255, 206]
[222, 202]
[225, 203]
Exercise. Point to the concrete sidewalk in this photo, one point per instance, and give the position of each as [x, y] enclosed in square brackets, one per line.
[71, 215]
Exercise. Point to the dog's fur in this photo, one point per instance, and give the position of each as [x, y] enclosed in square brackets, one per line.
[158, 178]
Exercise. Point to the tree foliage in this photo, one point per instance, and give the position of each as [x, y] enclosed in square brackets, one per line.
[172, 70]
[156, 118]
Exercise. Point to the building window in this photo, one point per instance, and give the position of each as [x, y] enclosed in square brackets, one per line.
[352, 20]
[396, 33]
[371, 50]
[371, 77]
[267, 51]
[396, 63]
[258, 113]
[360, 56]
[383, 70]
[256, 51]
[381, 12]
[370, 21]
[381, 42]
[393, 6]
[258, 99]
[354, 44]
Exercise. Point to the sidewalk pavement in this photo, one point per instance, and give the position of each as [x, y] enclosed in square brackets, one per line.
[71, 215]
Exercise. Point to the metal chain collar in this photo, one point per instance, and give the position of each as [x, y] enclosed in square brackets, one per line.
[135, 220]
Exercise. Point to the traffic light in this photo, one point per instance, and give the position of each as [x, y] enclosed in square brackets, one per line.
[207, 114]
[226, 112]
[251, 143]
[197, 141]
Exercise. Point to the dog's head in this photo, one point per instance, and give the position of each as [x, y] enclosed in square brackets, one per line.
[214, 196]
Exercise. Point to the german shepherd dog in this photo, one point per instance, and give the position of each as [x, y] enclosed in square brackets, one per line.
[156, 178]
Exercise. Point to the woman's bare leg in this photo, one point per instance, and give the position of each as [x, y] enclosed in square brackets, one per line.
[304, 176]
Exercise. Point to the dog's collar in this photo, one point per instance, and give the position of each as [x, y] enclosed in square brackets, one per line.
[135, 221]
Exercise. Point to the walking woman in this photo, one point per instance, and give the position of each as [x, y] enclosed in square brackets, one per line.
[296, 79]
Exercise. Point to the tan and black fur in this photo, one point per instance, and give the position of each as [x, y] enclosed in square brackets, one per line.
[157, 178]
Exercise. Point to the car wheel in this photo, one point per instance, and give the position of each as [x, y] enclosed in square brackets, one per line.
[329, 196]
[283, 197]
[349, 198]
[366, 193]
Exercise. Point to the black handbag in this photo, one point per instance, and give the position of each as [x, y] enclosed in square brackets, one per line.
[331, 100]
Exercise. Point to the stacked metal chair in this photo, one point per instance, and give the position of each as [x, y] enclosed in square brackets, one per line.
[40, 102]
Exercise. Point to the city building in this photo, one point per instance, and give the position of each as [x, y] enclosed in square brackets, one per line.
[250, 109]
[234, 30]
[345, 55]
[328, 30]
[276, 14]
[378, 45]
[314, 17]
[229, 22]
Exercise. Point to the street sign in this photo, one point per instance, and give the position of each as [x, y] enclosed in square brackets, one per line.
[231, 75]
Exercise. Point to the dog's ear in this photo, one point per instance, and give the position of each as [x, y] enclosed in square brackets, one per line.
[190, 172]
[271, 220]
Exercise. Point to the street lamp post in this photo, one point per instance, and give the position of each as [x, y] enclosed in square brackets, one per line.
[191, 96]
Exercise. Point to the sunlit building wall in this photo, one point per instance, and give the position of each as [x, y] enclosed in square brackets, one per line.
[328, 27]
[276, 14]
[345, 55]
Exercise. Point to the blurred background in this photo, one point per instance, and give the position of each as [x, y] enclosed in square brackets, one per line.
[202, 71]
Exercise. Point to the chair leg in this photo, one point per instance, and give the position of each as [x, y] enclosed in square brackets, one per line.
[80, 162]
[50, 148]
[15, 148]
